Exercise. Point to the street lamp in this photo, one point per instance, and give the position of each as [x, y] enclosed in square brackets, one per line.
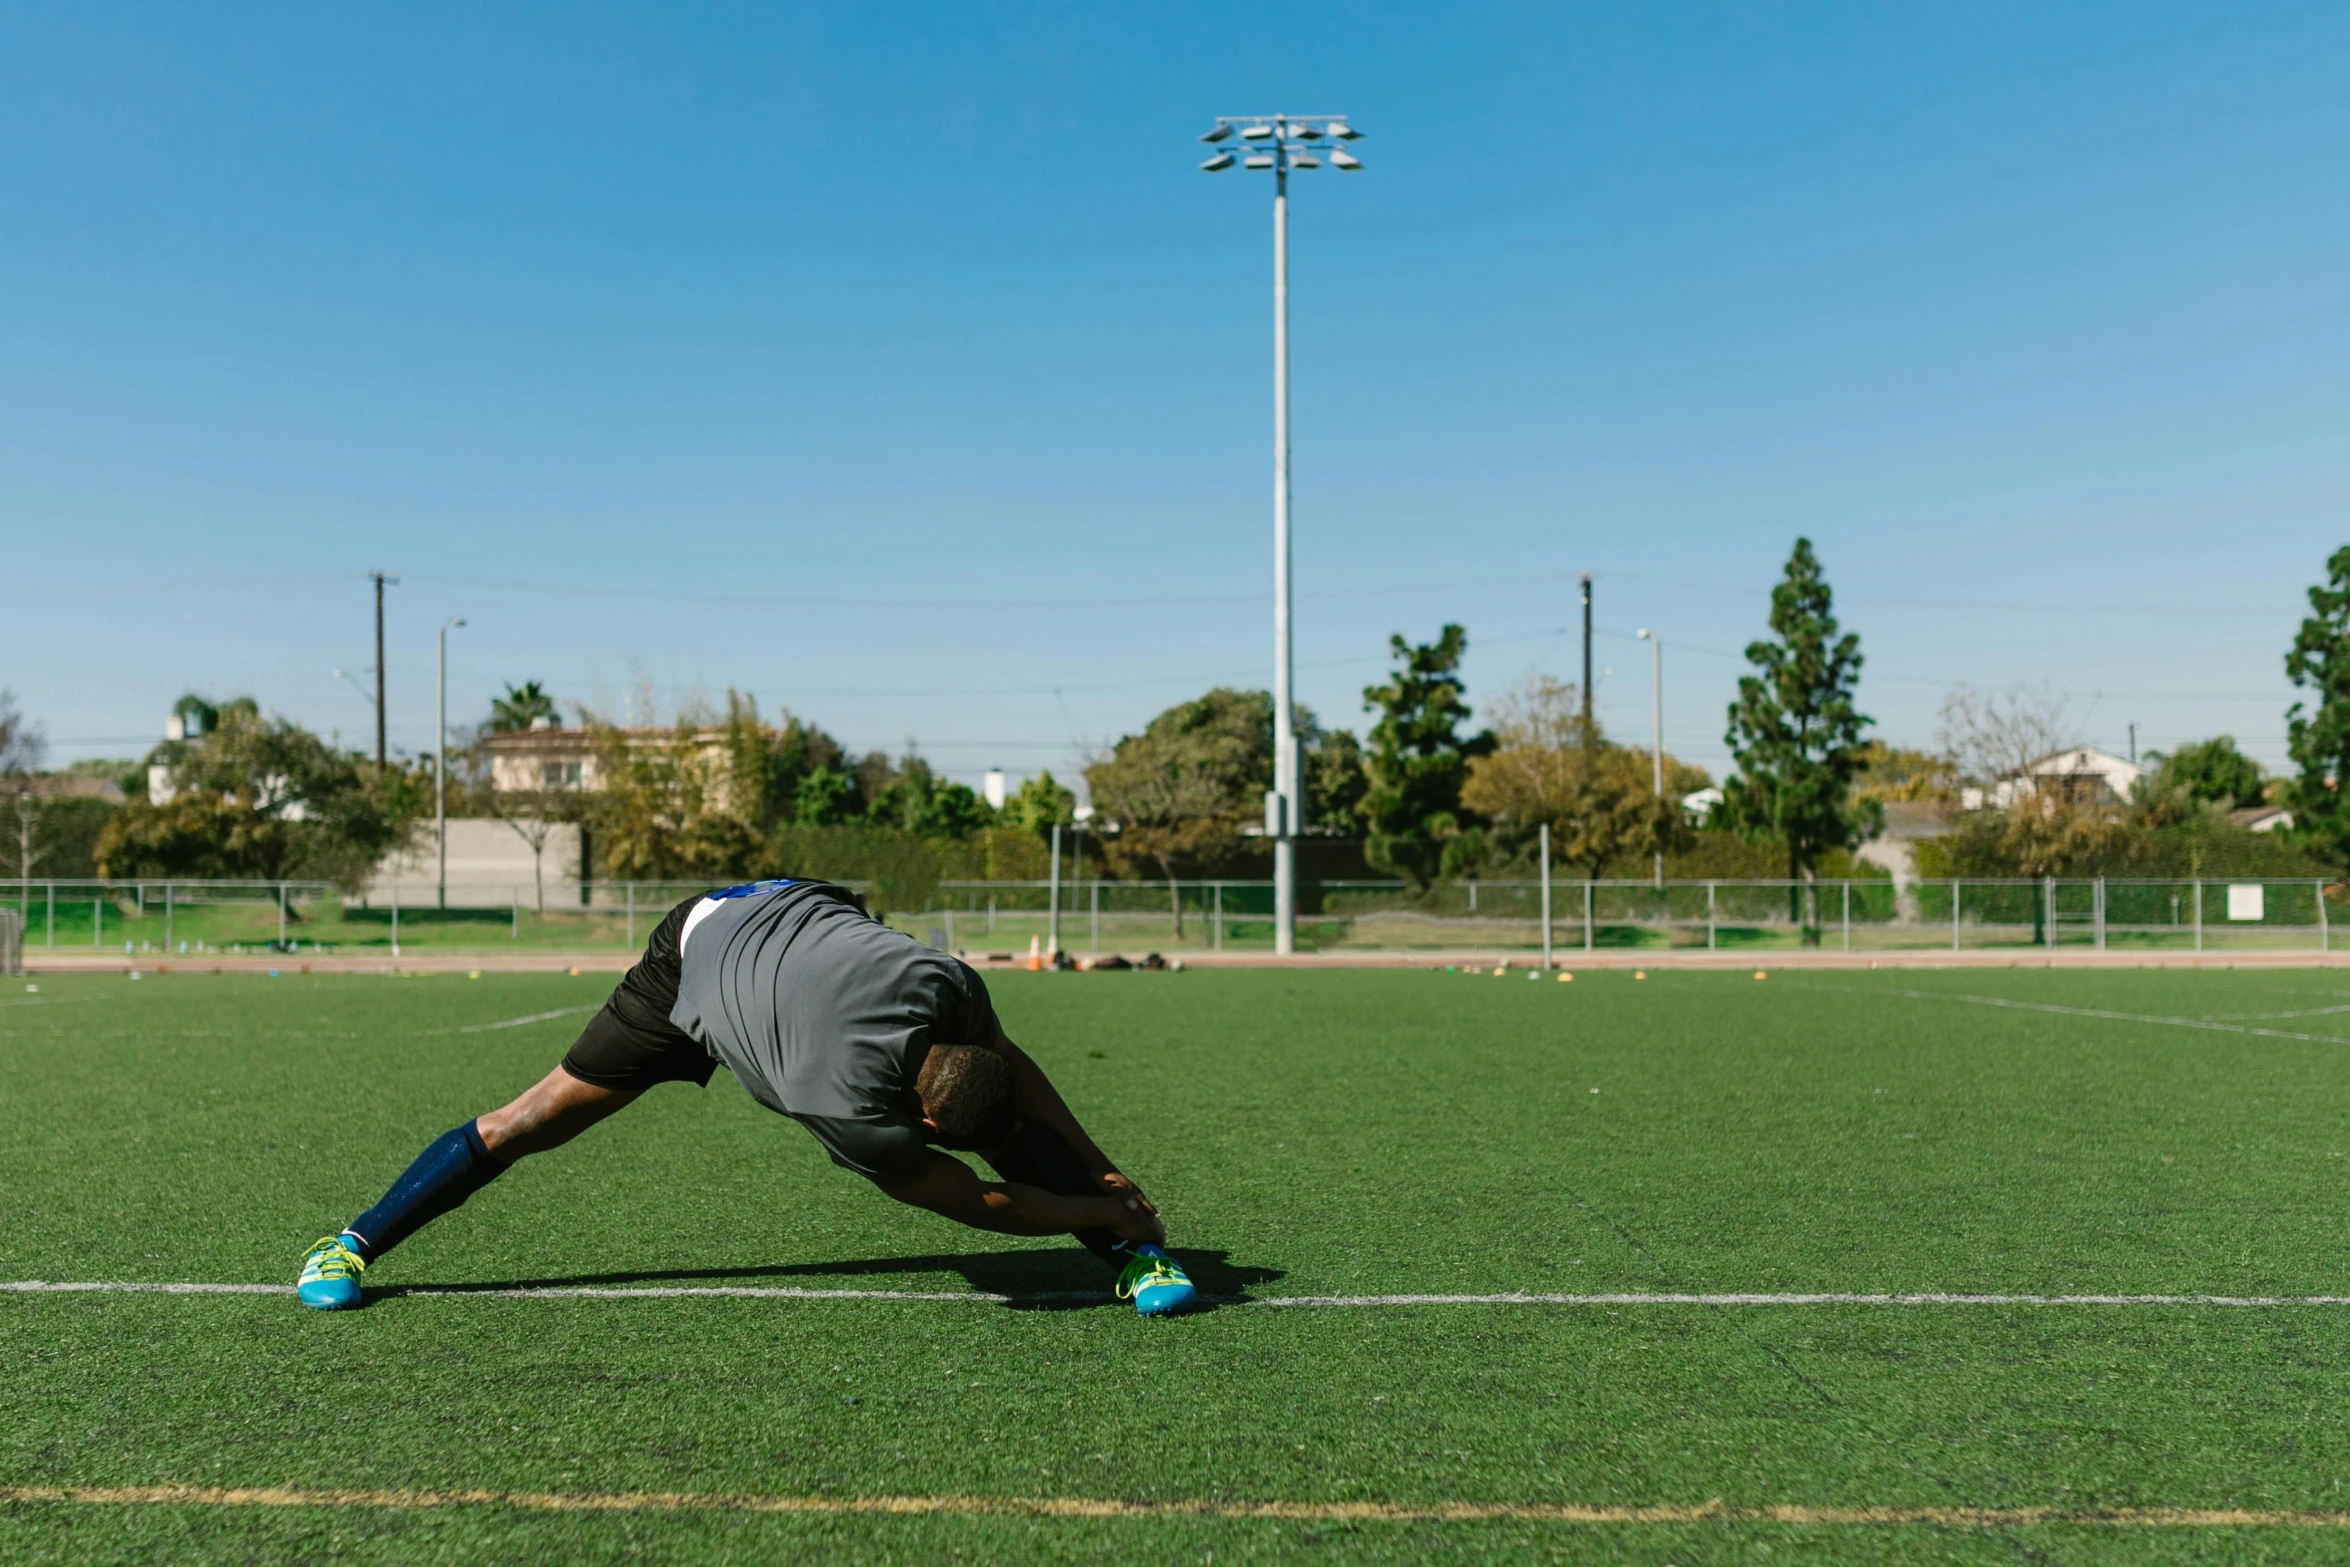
[1277, 144]
[1656, 709]
[440, 752]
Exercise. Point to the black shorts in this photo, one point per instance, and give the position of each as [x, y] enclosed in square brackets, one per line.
[631, 1044]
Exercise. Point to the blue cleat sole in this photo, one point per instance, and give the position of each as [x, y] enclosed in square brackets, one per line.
[328, 1294]
[1159, 1300]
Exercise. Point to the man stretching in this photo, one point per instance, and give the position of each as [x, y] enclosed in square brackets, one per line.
[883, 1048]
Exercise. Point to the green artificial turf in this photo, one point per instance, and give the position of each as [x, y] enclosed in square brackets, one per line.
[1307, 1134]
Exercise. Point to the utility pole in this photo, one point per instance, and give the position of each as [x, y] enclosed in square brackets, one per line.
[440, 751]
[1586, 658]
[2133, 745]
[379, 579]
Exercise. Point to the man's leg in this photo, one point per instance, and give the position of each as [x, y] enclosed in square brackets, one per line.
[455, 1165]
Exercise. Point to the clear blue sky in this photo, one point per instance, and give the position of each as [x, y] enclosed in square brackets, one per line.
[896, 363]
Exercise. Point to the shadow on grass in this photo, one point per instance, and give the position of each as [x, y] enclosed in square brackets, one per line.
[1035, 1280]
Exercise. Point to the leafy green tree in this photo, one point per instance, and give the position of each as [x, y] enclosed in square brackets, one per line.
[1891, 774]
[2319, 740]
[521, 707]
[1186, 786]
[1040, 805]
[920, 802]
[1418, 760]
[1552, 769]
[262, 797]
[2206, 777]
[1796, 735]
[824, 798]
[1335, 780]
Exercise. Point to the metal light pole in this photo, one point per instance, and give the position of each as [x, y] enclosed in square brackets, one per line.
[1656, 704]
[440, 751]
[1278, 144]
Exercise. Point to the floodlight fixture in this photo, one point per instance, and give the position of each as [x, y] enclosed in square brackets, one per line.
[1279, 144]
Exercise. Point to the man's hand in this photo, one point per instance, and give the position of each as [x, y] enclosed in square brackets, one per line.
[1141, 1214]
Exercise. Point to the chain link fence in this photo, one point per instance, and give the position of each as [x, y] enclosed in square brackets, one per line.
[186, 916]
[1859, 915]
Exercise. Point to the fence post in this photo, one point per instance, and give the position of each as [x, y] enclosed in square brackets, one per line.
[2198, 914]
[395, 919]
[1955, 884]
[1848, 915]
[2101, 914]
[167, 917]
[1586, 914]
[2324, 937]
[1545, 837]
[1093, 916]
[52, 936]
[631, 914]
[1217, 924]
[516, 894]
[2048, 911]
[1052, 918]
[281, 916]
[98, 917]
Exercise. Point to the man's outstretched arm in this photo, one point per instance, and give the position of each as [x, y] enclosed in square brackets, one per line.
[950, 1189]
[1036, 1099]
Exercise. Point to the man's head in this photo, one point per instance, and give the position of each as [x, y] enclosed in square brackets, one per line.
[966, 1095]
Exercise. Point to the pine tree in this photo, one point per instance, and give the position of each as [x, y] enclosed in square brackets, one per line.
[1796, 736]
[1418, 760]
[2320, 741]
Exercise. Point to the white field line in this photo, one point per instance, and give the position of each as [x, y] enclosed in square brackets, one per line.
[535, 1017]
[1713, 1512]
[2211, 1024]
[981, 1297]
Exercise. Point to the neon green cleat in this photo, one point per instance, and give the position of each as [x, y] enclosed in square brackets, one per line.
[1155, 1282]
[330, 1275]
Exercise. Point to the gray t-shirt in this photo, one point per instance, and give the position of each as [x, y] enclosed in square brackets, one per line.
[824, 1014]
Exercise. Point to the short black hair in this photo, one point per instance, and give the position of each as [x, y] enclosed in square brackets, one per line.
[966, 1093]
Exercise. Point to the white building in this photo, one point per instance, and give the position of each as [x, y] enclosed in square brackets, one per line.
[2082, 771]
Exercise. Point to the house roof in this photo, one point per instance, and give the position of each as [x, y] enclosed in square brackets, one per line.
[2085, 759]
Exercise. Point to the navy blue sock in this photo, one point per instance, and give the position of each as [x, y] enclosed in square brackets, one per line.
[452, 1168]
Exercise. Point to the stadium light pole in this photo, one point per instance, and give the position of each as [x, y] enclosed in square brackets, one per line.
[1656, 711]
[440, 752]
[1278, 144]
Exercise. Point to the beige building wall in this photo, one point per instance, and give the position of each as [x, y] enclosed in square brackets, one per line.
[489, 864]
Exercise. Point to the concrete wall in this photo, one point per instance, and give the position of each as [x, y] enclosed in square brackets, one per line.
[489, 864]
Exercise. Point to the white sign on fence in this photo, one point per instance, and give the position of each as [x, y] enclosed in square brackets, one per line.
[2246, 903]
